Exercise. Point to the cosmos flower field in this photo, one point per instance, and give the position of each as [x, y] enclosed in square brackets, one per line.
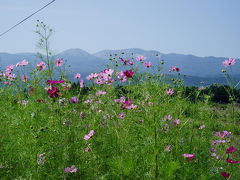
[120, 123]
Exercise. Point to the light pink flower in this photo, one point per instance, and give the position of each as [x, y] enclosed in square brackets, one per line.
[168, 148]
[71, 169]
[100, 92]
[176, 122]
[229, 62]
[10, 67]
[24, 78]
[41, 66]
[22, 63]
[170, 92]
[81, 84]
[92, 76]
[77, 76]
[147, 64]
[58, 62]
[121, 115]
[202, 127]
[121, 76]
[89, 135]
[223, 134]
[140, 58]
[108, 72]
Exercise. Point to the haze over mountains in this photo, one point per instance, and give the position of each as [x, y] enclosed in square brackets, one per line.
[84, 62]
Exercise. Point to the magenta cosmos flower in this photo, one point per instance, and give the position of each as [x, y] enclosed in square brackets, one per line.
[58, 62]
[174, 68]
[129, 73]
[231, 161]
[55, 82]
[53, 92]
[225, 174]
[229, 62]
[71, 169]
[189, 156]
[231, 149]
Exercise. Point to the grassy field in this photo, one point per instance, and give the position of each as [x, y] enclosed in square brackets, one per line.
[143, 139]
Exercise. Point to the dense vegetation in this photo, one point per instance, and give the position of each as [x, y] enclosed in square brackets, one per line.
[124, 124]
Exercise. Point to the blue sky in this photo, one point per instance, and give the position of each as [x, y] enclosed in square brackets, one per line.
[199, 27]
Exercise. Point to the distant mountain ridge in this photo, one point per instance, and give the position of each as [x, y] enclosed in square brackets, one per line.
[82, 61]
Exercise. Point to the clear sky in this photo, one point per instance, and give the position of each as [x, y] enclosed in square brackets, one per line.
[199, 27]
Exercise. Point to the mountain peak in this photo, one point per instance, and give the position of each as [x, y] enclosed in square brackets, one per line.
[75, 52]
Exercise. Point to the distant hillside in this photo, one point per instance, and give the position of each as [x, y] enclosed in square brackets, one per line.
[196, 68]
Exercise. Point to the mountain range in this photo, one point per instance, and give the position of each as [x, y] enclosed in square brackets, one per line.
[208, 68]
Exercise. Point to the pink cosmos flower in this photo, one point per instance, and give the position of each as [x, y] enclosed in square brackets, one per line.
[229, 62]
[231, 161]
[223, 134]
[168, 148]
[89, 135]
[141, 58]
[108, 72]
[147, 64]
[167, 118]
[24, 78]
[231, 149]
[202, 127]
[189, 156]
[74, 100]
[129, 73]
[92, 76]
[81, 84]
[225, 174]
[71, 169]
[99, 81]
[77, 76]
[218, 142]
[12, 77]
[121, 115]
[100, 92]
[176, 122]
[174, 68]
[121, 100]
[22, 63]
[121, 76]
[109, 80]
[41, 66]
[170, 92]
[58, 62]
[127, 104]
[10, 68]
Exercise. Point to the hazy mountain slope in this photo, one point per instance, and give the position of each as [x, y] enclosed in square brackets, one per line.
[83, 62]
